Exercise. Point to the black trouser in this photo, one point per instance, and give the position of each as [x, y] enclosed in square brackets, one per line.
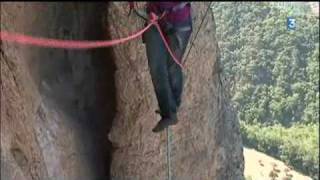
[167, 76]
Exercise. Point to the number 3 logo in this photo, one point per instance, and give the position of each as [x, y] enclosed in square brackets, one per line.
[291, 23]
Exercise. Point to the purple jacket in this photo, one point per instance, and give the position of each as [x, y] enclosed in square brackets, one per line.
[173, 17]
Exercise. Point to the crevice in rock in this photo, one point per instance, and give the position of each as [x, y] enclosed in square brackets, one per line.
[105, 105]
[103, 110]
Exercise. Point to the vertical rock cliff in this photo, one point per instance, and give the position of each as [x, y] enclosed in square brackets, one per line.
[56, 105]
[205, 144]
[88, 115]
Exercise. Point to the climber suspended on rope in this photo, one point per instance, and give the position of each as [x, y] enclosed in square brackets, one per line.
[167, 76]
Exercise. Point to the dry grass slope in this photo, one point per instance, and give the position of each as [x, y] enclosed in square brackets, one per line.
[260, 166]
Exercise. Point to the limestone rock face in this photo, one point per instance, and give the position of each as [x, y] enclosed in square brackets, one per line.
[205, 144]
[54, 120]
[88, 114]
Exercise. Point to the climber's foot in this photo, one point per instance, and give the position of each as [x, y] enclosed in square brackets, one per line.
[157, 111]
[164, 123]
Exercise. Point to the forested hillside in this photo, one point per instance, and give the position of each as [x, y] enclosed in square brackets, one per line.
[273, 74]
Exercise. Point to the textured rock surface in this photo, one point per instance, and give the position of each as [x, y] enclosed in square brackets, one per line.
[57, 106]
[50, 115]
[205, 144]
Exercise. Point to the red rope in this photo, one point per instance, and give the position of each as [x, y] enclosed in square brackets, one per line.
[72, 44]
[66, 44]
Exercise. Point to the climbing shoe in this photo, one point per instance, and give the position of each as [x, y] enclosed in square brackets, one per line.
[164, 123]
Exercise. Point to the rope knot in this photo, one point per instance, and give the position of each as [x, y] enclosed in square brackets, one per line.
[153, 18]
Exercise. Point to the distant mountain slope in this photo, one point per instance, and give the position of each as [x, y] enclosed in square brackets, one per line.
[259, 165]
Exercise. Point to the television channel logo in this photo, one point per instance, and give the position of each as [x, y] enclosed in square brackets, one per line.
[291, 23]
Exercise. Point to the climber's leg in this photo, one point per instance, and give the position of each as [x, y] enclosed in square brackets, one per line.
[178, 42]
[157, 59]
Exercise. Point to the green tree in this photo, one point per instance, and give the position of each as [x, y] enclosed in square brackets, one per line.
[272, 71]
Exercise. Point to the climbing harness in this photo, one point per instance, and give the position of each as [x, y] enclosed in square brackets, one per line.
[143, 14]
